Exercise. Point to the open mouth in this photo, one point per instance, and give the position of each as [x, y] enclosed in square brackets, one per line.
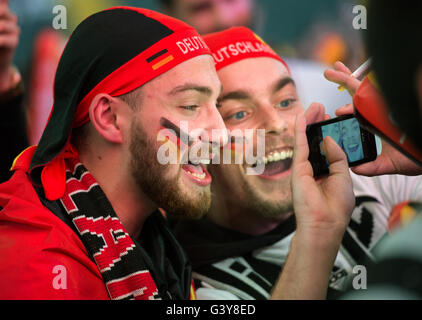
[352, 147]
[276, 162]
[197, 172]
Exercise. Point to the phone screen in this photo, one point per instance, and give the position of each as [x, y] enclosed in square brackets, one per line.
[347, 134]
[358, 144]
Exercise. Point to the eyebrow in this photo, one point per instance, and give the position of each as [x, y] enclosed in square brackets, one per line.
[280, 84]
[191, 87]
[244, 95]
[235, 95]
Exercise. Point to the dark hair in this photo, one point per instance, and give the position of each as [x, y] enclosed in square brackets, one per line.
[166, 3]
[393, 40]
[132, 98]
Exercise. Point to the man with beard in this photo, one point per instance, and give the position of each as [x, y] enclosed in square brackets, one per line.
[239, 249]
[79, 218]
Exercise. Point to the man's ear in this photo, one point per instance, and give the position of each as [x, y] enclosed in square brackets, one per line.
[104, 118]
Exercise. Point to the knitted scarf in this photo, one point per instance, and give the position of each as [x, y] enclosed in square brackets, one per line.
[128, 267]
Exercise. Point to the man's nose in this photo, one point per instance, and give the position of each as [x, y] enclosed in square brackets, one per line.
[215, 128]
[272, 121]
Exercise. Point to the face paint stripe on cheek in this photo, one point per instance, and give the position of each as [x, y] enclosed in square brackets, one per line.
[167, 124]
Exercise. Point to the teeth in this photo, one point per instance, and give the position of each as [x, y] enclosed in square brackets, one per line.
[276, 156]
[197, 175]
[198, 161]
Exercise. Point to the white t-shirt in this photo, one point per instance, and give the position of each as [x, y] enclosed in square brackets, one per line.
[375, 198]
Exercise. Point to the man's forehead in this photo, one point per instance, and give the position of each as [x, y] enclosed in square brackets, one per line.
[252, 72]
[258, 63]
[198, 71]
[242, 92]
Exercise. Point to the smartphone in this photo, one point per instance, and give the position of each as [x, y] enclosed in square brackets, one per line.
[358, 143]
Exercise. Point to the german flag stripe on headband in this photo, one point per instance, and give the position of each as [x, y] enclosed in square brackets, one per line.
[237, 43]
[113, 51]
[154, 61]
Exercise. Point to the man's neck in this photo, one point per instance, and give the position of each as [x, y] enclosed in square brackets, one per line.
[130, 204]
[238, 218]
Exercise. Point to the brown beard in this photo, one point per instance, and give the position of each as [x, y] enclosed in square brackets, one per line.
[265, 208]
[150, 177]
[245, 195]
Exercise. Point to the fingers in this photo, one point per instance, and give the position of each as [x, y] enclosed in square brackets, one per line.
[335, 156]
[365, 169]
[338, 65]
[9, 29]
[7, 26]
[314, 113]
[341, 78]
[5, 11]
[382, 165]
[9, 41]
[347, 109]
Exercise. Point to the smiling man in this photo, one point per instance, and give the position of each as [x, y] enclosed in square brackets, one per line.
[332, 130]
[350, 134]
[242, 108]
[240, 247]
[85, 200]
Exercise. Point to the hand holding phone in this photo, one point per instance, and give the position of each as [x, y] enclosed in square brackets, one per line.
[358, 143]
[318, 208]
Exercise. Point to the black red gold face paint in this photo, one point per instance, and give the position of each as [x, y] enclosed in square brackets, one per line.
[166, 123]
[187, 140]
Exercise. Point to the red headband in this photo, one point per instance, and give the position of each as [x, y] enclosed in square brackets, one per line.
[155, 43]
[184, 44]
[238, 43]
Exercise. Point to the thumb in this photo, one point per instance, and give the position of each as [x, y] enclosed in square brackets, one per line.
[335, 156]
[301, 148]
[301, 166]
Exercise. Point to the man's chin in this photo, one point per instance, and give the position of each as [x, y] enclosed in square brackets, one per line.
[191, 202]
[188, 207]
[268, 198]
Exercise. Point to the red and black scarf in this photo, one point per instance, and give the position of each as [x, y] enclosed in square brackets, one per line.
[154, 267]
[113, 51]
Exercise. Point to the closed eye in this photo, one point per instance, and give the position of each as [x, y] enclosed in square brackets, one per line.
[190, 108]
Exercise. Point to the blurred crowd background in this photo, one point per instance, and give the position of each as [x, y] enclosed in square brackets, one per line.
[310, 35]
